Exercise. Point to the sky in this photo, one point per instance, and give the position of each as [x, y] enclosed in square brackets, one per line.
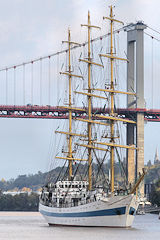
[34, 28]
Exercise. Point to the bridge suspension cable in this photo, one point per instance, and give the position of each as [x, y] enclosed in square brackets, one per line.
[14, 85]
[153, 29]
[49, 81]
[152, 36]
[59, 52]
[38, 71]
[152, 74]
[41, 82]
[6, 87]
[32, 83]
[23, 84]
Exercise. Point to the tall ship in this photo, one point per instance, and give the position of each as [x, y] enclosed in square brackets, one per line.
[94, 199]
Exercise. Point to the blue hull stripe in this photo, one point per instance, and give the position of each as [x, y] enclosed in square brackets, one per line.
[106, 212]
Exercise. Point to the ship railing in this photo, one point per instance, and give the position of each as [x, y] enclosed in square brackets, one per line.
[68, 204]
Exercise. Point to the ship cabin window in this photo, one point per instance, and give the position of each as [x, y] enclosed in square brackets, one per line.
[66, 186]
[76, 186]
[80, 186]
[61, 201]
[84, 186]
[75, 202]
[50, 194]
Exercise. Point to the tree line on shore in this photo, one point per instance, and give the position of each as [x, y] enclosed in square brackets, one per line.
[35, 181]
[19, 202]
[29, 202]
[155, 194]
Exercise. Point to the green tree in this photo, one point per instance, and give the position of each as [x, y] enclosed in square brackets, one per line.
[155, 194]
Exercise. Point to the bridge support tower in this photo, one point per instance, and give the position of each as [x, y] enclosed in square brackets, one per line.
[135, 83]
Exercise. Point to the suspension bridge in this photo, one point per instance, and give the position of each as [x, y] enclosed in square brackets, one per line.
[24, 86]
[34, 89]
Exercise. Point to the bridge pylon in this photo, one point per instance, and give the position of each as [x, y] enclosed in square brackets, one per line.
[135, 83]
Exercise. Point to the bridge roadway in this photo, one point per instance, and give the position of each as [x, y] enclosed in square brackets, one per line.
[51, 112]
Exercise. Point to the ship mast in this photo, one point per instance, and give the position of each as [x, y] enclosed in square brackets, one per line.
[70, 104]
[89, 26]
[112, 118]
[92, 144]
[70, 108]
[89, 106]
[112, 106]
[112, 92]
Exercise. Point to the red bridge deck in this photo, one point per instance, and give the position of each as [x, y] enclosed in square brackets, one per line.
[49, 112]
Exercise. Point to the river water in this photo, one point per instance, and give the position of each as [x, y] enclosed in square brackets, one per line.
[26, 225]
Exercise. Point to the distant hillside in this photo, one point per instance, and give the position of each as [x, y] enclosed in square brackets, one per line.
[153, 174]
[155, 194]
[35, 181]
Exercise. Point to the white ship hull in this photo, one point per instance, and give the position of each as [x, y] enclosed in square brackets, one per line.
[116, 211]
